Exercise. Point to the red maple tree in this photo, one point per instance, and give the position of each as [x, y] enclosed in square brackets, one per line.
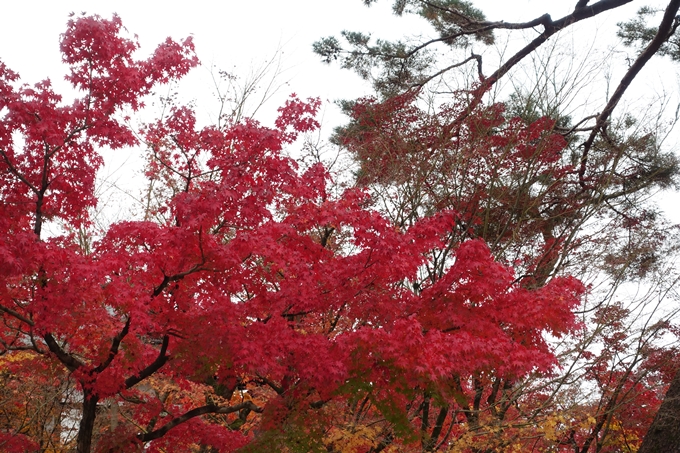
[256, 301]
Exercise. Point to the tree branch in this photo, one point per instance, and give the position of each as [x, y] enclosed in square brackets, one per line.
[167, 279]
[12, 169]
[153, 367]
[115, 345]
[662, 35]
[207, 409]
[274, 386]
[438, 426]
[552, 27]
[17, 315]
[69, 361]
[429, 78]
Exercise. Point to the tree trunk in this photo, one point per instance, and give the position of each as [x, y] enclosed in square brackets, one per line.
[86, 428]
[664, 433]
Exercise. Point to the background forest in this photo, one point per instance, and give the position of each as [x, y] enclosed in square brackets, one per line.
[475, 260]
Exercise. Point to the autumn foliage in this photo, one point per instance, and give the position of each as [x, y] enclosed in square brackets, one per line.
[516, 184]
[258, 311]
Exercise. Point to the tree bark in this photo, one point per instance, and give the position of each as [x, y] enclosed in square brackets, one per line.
[84, 441]
[664, 433]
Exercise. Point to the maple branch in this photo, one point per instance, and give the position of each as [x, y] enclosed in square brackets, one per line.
[17, 315]
[8, 347]
[449, 329]
[358, 412]
[44, 185]
[336, 319]
[19, 339]
[326, 236]
[438, 426]
[167, 279]
[166, 165]
[446, 435]
[318, 404]
[11, 345]
[506, 399]
[69, 361]
[115, 345]
[425, 418]
[491, 400]
[153, 367]
[604, 416]
[16, 173]
[207, 409]
[164, 284]
[479, 388]
[667, 27]
[463, 401]
[36, 348]
[69, 139]
[278, 389]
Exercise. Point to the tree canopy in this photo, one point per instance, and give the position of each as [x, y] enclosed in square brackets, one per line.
[588, 210]
[435, 303]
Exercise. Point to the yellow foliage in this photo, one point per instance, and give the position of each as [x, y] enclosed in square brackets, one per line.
[15, 356]
[352, 439]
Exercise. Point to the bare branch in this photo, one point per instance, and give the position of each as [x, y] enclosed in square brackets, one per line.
[552, 27]
[429, 78]
[667, 25]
